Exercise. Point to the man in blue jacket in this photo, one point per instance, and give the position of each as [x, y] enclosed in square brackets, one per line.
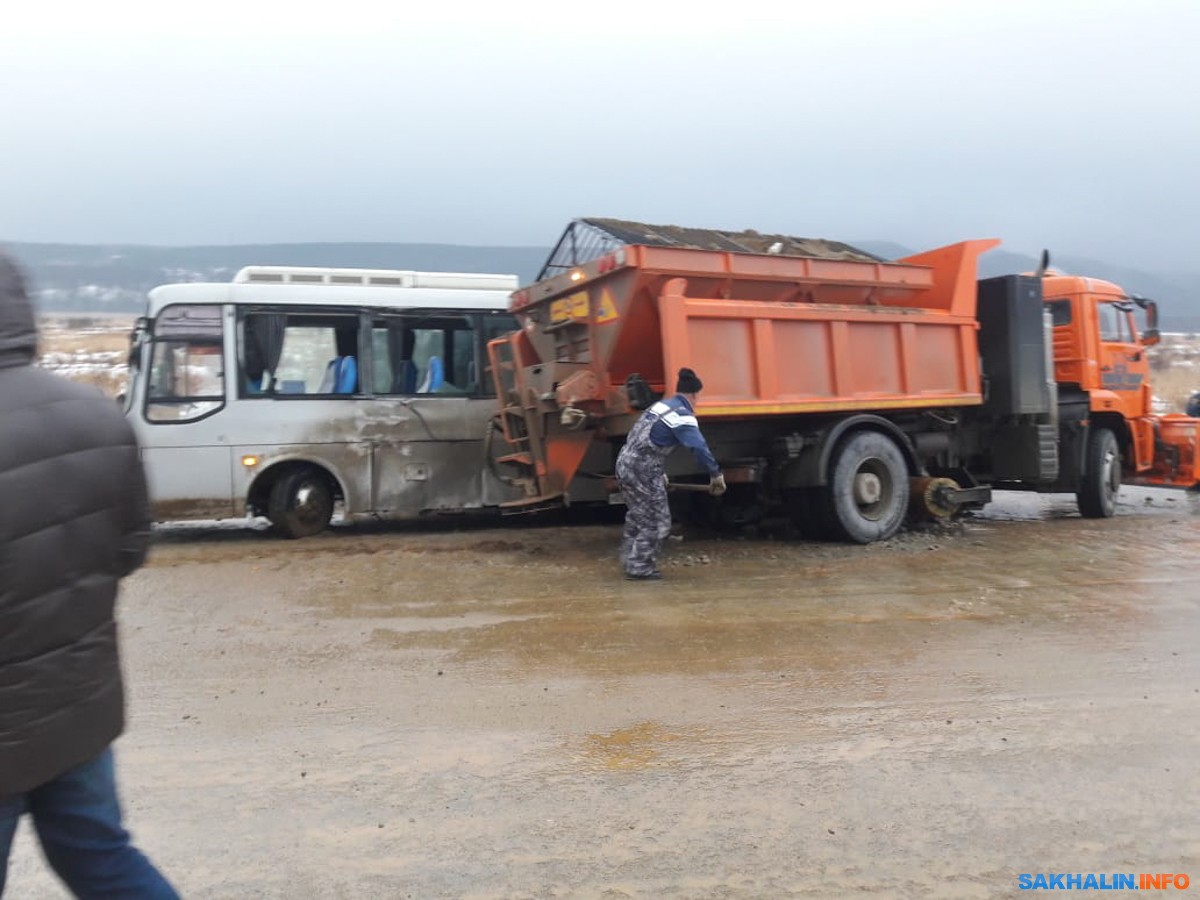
[641, 472]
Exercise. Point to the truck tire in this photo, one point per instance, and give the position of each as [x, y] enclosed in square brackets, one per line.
[867, 494]
[1097, 494]
[301, 502]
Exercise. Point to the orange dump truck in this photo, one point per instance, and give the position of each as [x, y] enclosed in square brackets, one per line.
[841, 389]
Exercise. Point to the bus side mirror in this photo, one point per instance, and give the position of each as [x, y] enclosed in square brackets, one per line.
[137, 337]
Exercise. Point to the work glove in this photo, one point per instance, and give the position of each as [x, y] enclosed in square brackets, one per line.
[716, 485]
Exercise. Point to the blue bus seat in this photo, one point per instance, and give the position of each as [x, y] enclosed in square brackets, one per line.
[435, 375]
[347, 376]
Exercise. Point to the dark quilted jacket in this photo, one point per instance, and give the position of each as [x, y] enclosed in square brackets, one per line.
[73, 522]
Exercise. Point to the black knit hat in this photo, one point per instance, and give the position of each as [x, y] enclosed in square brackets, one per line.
[688, 383]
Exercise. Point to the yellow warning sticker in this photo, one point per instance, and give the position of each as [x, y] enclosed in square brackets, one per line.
[607, 310]
[572, 307]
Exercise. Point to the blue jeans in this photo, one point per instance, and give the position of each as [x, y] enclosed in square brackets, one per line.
[78, 822]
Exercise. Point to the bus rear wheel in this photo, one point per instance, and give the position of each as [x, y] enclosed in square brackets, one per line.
[301, 503]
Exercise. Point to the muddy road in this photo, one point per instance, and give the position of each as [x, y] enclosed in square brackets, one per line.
[390, 711]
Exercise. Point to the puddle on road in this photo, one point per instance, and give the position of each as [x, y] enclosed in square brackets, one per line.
[635, 747]
[1020, 506]
[552, 599]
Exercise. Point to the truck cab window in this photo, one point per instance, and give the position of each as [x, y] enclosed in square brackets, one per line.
[1060, 312]
[1114, 324]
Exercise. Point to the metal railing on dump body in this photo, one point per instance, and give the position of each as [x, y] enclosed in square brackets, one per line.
[588, 239]
[581, 242]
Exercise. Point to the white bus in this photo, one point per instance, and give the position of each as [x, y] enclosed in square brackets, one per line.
[288, 390]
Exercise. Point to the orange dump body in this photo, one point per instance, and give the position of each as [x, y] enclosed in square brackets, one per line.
[769, 335]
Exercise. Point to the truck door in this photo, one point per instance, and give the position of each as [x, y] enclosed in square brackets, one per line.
[1124, 369]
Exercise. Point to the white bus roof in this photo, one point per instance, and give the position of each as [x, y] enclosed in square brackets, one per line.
[380, 277]
[372, 287]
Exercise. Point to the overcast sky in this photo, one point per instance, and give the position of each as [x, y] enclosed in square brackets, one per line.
[1074, 125]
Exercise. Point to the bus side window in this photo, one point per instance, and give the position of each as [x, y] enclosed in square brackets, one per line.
[427, 356]
[423, 355]
[317, 355]
[441, 355]
[382, 368]
[465, 373]
[187, 365]
[187, 381]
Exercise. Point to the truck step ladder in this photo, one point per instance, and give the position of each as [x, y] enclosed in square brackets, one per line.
[514, 417]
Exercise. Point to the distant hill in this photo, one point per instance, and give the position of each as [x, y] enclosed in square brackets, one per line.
[115, 278]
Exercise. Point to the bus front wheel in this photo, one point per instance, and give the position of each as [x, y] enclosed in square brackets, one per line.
[301, 503]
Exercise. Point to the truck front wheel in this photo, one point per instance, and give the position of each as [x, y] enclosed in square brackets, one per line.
[1097, 494]
[868, 489]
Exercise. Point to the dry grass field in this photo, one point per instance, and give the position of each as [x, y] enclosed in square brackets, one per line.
[89, 349]
[1172, 387]
[1175, 370]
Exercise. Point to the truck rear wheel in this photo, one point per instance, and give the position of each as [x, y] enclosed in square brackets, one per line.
[1097, 494]
[301, 502]
[867, 494]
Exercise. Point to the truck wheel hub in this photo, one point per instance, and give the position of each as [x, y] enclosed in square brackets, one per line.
[868, 488]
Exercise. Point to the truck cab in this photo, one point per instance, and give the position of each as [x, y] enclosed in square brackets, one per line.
[1100, 353]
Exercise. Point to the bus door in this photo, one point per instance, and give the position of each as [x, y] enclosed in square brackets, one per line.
[177, 416]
